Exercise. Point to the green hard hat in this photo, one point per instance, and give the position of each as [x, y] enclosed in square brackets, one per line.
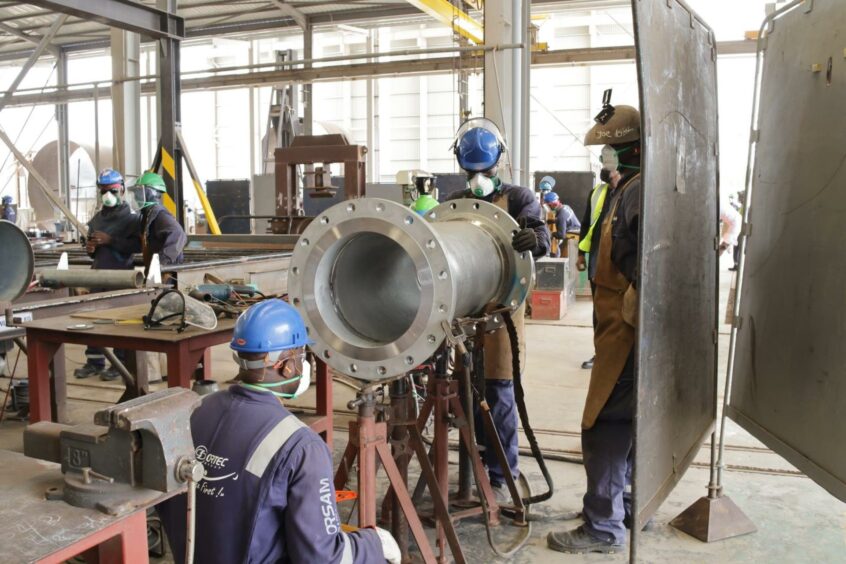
[153, 180]
[424, 203]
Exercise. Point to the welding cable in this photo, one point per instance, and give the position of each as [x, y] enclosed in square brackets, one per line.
[191, 520]
[520, 398]
[471, 429]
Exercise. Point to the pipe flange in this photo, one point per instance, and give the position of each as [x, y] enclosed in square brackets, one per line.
[349, 239]
[519, 276]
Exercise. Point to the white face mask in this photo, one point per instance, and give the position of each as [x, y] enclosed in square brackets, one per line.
[109, 200]
[609, 158]
[481, 185]
[305, 380]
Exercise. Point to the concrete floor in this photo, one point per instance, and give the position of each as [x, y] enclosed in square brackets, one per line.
[797, 520]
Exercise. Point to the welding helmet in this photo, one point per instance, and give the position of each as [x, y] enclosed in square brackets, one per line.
[478, 145]
[614, 125]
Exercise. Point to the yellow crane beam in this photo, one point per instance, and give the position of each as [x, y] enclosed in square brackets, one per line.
[460, 21]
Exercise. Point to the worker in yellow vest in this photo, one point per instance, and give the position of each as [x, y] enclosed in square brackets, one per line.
[588, 243]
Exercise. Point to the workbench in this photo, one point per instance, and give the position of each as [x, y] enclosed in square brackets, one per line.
[37, 530]
[46, 337]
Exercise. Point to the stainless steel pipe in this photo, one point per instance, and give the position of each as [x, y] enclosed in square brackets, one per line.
[375, 282]
[86, 278]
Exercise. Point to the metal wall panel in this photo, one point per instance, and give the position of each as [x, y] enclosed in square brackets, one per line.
[677, 354]
[789, 388]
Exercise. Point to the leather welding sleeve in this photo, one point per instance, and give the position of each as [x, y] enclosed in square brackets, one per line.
[167, 231]
[312, 523]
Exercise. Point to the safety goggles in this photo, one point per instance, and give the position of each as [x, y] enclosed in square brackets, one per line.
[273, 359]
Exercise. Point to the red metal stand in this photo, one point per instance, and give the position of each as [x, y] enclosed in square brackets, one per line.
[368, 442]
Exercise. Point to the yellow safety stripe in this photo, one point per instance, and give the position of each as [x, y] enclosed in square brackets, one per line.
[170, 169]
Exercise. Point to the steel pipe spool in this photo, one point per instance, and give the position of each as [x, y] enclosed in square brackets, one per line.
[18, 262]
[85, 278]
[375, 282]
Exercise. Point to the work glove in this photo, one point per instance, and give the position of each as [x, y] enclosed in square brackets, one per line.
[526, 239]
[390, 548]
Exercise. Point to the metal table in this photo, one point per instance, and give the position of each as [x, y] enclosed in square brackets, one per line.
[45, 338]
[37, 530]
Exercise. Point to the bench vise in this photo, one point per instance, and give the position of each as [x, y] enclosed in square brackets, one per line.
[133, 453]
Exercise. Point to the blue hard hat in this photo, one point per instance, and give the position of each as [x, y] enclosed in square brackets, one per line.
[478, 150]
[108, 177]
[7, 200]
[550, 197]
[547, 183]
[268, 326]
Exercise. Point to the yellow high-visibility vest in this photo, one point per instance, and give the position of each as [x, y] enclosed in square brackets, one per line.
[597, 200]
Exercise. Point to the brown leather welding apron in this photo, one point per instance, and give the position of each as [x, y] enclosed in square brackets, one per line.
[497, 345]
[613, 338]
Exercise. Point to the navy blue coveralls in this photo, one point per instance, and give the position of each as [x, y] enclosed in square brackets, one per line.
[565, 222]
[499, 388]
[124, 226]
[607, 446]
[163, 235]
[268, 494]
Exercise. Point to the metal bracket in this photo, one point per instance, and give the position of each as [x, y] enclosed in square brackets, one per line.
[809, 6]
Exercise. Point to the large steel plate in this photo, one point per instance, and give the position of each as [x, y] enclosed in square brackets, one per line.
[789, 388]
[677, 354]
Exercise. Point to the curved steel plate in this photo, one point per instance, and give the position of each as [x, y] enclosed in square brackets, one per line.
[788, 388]
[677, 353]
[18, 262]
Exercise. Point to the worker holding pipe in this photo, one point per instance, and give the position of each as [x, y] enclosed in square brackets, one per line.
[161, 234]
[607, 418]
[478, 148]
[112, 240]
[268, 492]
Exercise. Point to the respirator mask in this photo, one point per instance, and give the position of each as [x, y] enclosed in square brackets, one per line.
[481, 185]
[299, 370]
[109, 198]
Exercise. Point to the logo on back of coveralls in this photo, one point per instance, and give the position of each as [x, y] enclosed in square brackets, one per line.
[212, 462]
[327, 507]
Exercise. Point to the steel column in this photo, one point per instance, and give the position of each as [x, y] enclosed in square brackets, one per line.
[169, 111]
[62, 125]
[308, 50]
[126, 102]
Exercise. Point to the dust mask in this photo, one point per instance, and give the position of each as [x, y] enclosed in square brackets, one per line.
[481, 185]
[109, 200]
[609, 158]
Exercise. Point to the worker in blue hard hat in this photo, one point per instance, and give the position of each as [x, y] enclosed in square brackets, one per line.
[9, 213]
[268, 492]
[565, 220]
[111, 242]
[478, 148]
